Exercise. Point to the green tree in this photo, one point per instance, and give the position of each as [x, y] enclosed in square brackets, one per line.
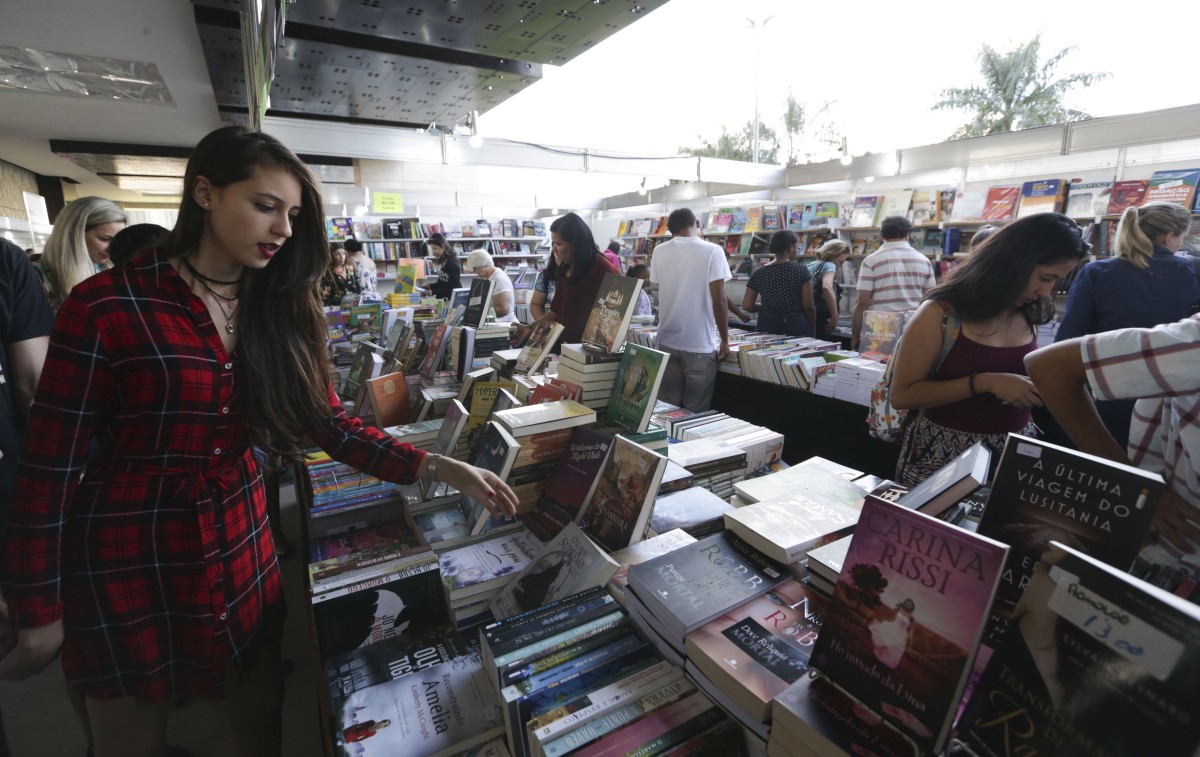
[794, 121]
[1019, 91]
[739, 146]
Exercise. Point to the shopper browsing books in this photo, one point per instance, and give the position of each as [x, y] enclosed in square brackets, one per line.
[450, 273]
[78, 246]
[340, 280]
[1158, 365]
[1144, 285]
[894, 278]
[364, 269]
[641, 271]
[153, 568]
[785, 288]
[693, 311]
[613, 253]
[826, 293]
[579, 270]
[481, 263]
[987, 311]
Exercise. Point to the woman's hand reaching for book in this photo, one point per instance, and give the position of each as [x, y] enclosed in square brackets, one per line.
[34, 649]
[1010, 388]
[480, 485]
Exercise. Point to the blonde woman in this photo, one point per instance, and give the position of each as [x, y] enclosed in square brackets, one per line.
[78, 247]
[830, 257]
[1146, 284]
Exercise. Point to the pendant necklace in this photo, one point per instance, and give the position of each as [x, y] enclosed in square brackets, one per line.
[220, 298]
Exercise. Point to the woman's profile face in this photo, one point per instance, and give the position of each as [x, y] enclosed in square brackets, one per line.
[99, 238]
[563, 250]
[250, 220]
[339, 258]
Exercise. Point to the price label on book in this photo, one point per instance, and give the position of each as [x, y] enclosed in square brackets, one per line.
[1112, 625]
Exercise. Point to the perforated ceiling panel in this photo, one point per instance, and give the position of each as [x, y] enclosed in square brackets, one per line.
[407, 62]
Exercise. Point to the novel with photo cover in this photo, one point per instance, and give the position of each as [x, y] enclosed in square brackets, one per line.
[619, 508]
[636, 387]
[568, 564]
[609, 320]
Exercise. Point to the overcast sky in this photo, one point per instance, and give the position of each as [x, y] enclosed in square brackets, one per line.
[689, 67]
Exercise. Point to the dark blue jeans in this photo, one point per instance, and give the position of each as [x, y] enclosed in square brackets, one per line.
[792, 324]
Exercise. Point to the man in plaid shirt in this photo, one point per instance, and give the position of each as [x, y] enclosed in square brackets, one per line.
[1160, 367]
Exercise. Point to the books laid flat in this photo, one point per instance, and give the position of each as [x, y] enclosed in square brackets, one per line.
[695, 584]
[548, 416]
[1042, 491]
[567, 565]
[697, 511]
[813, 716]
[636, 387]
[619, 508]
[951, 483]
[609, 320]
[636, 554]
[785, 529]
[388, 660]
[1096, 661]
[906, 617]
[486, 565]
[815, 481]
[542, 338]
[440, 711]
[755, 651]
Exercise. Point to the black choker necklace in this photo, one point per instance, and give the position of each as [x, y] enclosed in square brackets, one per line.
[202, 277]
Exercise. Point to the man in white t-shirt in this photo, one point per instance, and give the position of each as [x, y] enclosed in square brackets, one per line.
[693, 312]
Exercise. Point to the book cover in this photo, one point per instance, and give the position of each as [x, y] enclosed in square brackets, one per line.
[881, 331]
[755, 651]
[389, 398]
[636, 554]
[440, 711]
[1042, 491]
[785, 529]
[695, 510]
[1000, 203]
[1126, 194]
[1177, 186]
[906, 617]
[696, 583]
[388, 660]
[924, 207]
[368, 361]
[479, 301]
[894, 202]
[574, 480]
[542, 338]
[969, 205]
[405, 605]
[795, 217]
[335, 326]
[1088, 199]
[814, 481]
[1095, 662]
[945, 204]
[547, 416]
[737, 224]
[824, 212]
[951, 483]
[567, 565]
[473, 568]
[619, 508]
[866, 208]
[497, 451]
[436, 351]
[772, 217]
[608, 322]
[1041, 196]
[636, 388]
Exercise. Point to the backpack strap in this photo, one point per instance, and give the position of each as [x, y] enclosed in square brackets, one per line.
[951, 328]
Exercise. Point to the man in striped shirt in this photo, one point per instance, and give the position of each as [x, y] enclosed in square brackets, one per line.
[895, 277]
[1158, 368]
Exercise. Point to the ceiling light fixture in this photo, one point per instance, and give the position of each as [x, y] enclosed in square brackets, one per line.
[475, 140]
[642, 188]
[845, 159]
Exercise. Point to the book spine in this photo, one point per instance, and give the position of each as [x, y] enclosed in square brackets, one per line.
[536, 648]
[363, 560]
[679, 734]
[386, 565]
[597, 702]
[608, 631]
[379, 581]
[513, 676]
[564, 670]
[562, 739]
[547, 609]
[548, 626]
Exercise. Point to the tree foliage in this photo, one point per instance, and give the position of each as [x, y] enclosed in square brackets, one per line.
[794, 121]
[739, 146]
[1019, 91]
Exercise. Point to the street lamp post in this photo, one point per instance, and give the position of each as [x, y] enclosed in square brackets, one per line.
[757, 27]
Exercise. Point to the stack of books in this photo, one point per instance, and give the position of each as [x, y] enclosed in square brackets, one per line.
[543, 431]
[594, 373]
[421, 435]
[504, 361]
[763, 447]
[473, 574]
[855, 378]
[714, 464]
[695, 510]
[472, 348]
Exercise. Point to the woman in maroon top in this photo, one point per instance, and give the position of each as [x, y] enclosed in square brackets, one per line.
[980, 392]
[152, 566]
[581, 268]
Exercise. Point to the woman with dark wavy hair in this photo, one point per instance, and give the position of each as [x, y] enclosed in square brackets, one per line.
[579, 270]
[989, 308]
[152, 566]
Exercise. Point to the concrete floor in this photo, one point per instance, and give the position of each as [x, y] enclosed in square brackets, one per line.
[39, 722]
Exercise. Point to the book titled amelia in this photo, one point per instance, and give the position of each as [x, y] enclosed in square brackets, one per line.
[906, 617]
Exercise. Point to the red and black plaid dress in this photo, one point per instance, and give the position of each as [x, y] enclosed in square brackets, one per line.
[159, 560]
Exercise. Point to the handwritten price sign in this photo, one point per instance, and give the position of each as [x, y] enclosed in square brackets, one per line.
[387, 202]
[1116, 628]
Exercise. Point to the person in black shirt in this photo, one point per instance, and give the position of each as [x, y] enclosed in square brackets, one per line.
[449, 277]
